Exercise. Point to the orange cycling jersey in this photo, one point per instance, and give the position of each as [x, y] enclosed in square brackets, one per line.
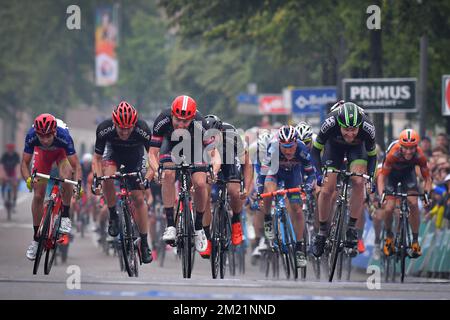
[395, 160]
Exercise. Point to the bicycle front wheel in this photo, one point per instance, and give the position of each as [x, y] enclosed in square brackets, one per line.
[186, 220]
[53, 245]
[335, 239]
[43, 236]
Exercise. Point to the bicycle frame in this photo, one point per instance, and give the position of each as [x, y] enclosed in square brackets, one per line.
[335, 242]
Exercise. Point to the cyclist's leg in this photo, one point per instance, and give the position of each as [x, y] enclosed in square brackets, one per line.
[110, 164]
[391, 183]
[231, 172]
[270, 185]
[200, 200]
[168, 190]
[206, 222]
[410, 180]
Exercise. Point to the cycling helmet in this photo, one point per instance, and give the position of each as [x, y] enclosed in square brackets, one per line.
[184, 107]
[45, 123]
[124, 115]
[349, 115]
[409, 138]
[337, 105]
[213, 122]
[304, 131]
[287, 134]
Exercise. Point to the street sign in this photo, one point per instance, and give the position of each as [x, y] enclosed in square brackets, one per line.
[383, 94]
[248, 104]
[272, 104]
[446, 95]
[311, 100]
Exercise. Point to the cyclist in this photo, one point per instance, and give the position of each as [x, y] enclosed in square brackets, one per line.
[181, 120]
[49, 141]
[345, 132]
[402, 157]
[258, 151]
[121, 141]
[294, 162]
[233, 158]
[305, 134]
[9, 162]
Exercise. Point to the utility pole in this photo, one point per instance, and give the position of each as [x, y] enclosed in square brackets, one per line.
[423, 82]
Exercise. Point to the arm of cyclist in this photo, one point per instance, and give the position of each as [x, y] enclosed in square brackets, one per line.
[97, 171]
[248, 176]
[216, 161]
[24, 168]
[153, 162]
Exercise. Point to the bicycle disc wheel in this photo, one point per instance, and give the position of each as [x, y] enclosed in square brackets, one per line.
[335, 237]
[53, 242]
[43, 237]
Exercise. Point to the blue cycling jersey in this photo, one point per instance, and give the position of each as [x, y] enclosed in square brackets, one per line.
[62, 140]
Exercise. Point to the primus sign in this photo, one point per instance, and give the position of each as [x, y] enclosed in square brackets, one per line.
[382, 95]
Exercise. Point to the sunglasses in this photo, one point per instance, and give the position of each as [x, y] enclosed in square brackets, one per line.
[287, 145]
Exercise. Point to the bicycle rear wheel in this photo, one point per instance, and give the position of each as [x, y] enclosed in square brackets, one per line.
[8, 201]
[283, 250]
[43, 236]
[335, 239]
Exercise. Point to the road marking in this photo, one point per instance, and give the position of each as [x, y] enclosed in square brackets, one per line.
[201, 296]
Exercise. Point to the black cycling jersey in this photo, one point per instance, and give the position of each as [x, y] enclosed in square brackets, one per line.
[330, 134]
[10, 161]
[163, 128]
[107, 134]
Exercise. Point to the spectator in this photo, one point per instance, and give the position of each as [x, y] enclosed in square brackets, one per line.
[425, 144]
[442, 141]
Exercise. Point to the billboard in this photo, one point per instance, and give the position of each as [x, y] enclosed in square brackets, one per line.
[106, 41]
[382, 95]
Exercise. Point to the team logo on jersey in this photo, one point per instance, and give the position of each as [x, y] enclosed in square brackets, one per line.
[328, 124]
[106, 131]
[369, 128]
[142, 132]
[158, 126]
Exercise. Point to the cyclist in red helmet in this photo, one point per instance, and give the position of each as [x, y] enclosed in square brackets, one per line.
[182, 120]
[49, 142]
[399, 165]
[121, 141]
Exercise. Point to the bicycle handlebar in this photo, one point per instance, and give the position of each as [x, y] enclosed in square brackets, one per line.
[403, 194]
[279, 192]
[49, 177]
[347, 173]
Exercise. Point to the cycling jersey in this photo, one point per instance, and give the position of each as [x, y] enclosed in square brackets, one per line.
[163, 128]
[399, 170]
[107, 134]
[395, 161]
[166, 137]
[129, 153]
[9, 162]
[287, 169]
[330, 137]
[62, 140]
